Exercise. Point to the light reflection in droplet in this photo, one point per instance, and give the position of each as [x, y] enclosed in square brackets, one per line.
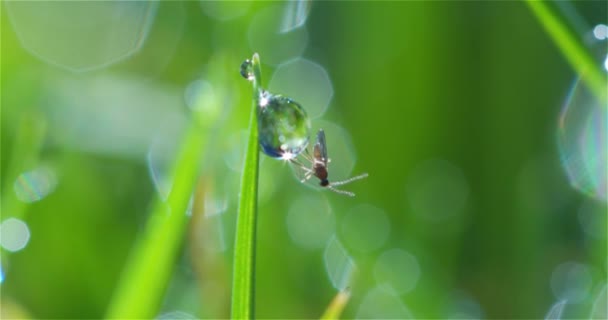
[295, 14]
[600, 32]
[34, 185]
[310, 221]
[14, 234]
[571, 281]
[365, 228]
[297, 79]
[582, 141]
[397, 269]
[437, 190]
[382, 303]
[176, 315]
[338, 264]
[82, 35]
[592, 217]
[225, 10]
[555, 313]
[265, 36]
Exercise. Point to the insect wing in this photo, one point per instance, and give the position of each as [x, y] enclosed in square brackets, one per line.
[320, 149]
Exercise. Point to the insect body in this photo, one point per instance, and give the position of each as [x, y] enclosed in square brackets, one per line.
[319, 169]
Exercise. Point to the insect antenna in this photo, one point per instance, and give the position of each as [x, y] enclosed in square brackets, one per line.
[349, 180]
[344, 192]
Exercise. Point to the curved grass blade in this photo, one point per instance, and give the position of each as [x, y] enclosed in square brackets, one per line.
[242, 306]
[335, 308]
[574, 51]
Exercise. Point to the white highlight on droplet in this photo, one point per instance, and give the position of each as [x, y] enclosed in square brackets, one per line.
[600, 32]
[34, 185]
[14, 234]
[365, 228]
[398, 269]
[310, 221]
[571, 281]
[338, 264]
[382, 303]
[298, 78]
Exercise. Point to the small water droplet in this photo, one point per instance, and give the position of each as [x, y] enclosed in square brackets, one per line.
[284, 126]
[247, 70]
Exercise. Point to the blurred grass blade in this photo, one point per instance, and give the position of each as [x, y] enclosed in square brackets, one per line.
[334, 310]
[555, 313]
[149, 268]
[600, 306]
[243, 275]
[570, 45]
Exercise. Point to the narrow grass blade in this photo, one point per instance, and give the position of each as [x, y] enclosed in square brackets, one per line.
[555, 313]
[572, 48]
[243, 275]
[334, 310]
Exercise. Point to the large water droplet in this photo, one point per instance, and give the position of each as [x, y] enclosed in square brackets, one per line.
[247, 70]
[284, 126]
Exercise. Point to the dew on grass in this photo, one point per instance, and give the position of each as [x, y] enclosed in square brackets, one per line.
[339, 264]
[398, 269]
[265, 36]
[364, 228]
[571, 281]
[305, 81]
[35, 185]
[382, 303]
[582, 141]
[14, 234]
[81, 35]
[310, 221]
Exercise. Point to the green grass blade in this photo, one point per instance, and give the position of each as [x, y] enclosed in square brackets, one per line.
[243, 275]
[572, 48]
[149, 268]
[334, 310]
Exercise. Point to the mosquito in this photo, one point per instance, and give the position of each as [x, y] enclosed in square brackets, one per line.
[319, 164]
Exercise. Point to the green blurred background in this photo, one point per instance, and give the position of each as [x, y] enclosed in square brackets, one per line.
[451, 107]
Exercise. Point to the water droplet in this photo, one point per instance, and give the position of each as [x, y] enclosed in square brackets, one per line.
[34, 185]
[247, 70]
[310, 221]
[14, 234]
[397, 269]
[382, 303]
[284, 126]
[365, 228]
[571, 281]
[338, 264]
[582, 140]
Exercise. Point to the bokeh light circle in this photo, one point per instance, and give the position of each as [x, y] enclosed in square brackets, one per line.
[82, 35]
[582, 141]
[306, 82]
[339, 264]
[14, 234]
[310, 221]
[571, 281]
[35, 185]
[382, 303]
[397, 269]
[437, 190]
[592, 218]
[365, 228]
[266, 38]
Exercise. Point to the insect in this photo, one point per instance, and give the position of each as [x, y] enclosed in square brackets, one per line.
[319, 164]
